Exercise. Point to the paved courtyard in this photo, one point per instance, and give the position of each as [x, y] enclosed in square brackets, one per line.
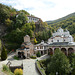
[29, 67]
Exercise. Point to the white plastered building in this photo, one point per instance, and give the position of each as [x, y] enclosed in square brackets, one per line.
[60, 36]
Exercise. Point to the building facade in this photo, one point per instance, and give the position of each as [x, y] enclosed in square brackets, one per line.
[41, 47]
[60, 39]
[27, 48]
[34, 19]
[61, 36]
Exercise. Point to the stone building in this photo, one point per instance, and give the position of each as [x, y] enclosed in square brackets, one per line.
[27, 48]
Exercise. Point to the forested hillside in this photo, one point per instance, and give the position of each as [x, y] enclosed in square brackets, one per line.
[66, 24]
[61, 19]
[17, 27]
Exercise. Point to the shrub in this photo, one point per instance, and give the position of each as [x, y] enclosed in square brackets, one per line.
[59, 63]
[3, 54]
[18, 72]
[15, 57]
[5, 68]
[33, 57]
[38, 54]
[40, 68]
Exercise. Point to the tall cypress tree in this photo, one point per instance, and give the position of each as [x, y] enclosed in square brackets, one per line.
[3, 54]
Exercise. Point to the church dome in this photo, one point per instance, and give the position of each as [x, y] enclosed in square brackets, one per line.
[60, 30]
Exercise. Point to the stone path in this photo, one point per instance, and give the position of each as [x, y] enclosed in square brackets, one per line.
[29, 67]
[2, 73]
[43, 57]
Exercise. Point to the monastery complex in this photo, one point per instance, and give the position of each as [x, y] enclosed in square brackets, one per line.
[60, 39]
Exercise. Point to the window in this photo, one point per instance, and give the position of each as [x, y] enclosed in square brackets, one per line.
[41, 47]
[64, 40]
[57, 40]
[37, 47]
[52, 40]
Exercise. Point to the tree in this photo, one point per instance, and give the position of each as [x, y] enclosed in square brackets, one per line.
[72, 62]
[38, 54]
[35, 41]
[4, 13]
[33, 25]
[49, 33]
[22, 16]
[8, 22]
[59, 63]
[3, 54]
[27, 28]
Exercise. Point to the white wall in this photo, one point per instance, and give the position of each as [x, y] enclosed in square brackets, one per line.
[32, 19]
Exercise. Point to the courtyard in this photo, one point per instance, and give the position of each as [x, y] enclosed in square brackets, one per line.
[29, 67]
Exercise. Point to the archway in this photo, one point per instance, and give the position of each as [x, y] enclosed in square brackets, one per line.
[64, 50]
[45, 51]
[41, 52]
[55, 49]
[19, 54]
[50, 51]
[70, 51]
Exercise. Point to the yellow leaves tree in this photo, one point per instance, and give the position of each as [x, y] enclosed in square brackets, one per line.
[8, 22]
[18, 72]
[35, 41]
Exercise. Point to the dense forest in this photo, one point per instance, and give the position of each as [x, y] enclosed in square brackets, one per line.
[61, 19]
[17, 27]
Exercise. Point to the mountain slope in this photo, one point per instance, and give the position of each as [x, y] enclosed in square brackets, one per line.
[61, 19]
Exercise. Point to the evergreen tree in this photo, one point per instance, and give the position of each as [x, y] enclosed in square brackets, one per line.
[3, 54]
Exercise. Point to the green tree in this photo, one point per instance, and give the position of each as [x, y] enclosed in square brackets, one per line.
[3, 54]
[22, 17]
[27, 28]
[49, 33]
[4, 13]
[59, 63]
[33, 25]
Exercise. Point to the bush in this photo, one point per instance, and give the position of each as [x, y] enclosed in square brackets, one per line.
[33, 57]
[38, 54]
[40, 68]
[15, 57]
[3, 54]
[5, 68]
[18, 72]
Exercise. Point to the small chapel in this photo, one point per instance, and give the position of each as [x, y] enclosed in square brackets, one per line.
[26, 49]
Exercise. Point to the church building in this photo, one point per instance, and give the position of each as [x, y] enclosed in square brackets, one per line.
[26, 49]
[61, 36]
